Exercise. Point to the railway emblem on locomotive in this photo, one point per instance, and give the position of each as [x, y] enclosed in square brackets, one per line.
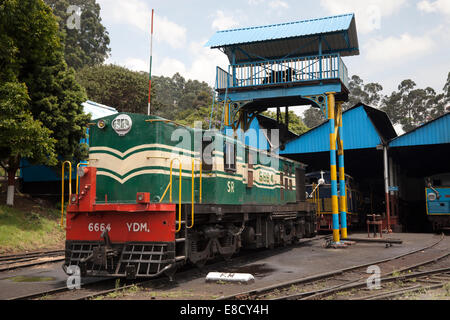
[122, 124]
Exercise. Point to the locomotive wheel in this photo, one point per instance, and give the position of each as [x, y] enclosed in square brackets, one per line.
[227, 257]
[200, 263]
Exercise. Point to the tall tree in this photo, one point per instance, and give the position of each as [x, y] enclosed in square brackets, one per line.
[21, 135]
[117, 87]
[33, 54]
[126, 90]
[86, 39]
[296, 124]
[312, 117]
[369, 94]
[447, 94]
[412, 106]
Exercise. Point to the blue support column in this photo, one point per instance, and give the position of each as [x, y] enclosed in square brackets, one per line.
[342, 191]
[334, 192]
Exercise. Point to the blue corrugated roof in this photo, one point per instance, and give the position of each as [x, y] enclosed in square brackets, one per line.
[293, 39]
[281, 31]
[363, 126]
[436, 131]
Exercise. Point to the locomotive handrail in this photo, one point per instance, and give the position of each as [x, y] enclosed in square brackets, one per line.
[62, 187]
[192, 192]
[179, 192]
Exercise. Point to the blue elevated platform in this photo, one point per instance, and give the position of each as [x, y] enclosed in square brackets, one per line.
[282, 63]
[290, 64]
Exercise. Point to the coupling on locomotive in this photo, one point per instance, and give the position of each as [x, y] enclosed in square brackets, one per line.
[156, 195]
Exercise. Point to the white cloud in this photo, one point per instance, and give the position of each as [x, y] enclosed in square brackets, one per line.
[168, 67]
[278, 4]
[368, 13]
[255, 2]
[442, 6]
[137, 64]
[203, 67]
[222, 21]
[170, 32]
[137, 14]
[395, 50]
[160, 67]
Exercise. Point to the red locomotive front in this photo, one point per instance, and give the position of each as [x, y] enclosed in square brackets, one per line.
[117, 239]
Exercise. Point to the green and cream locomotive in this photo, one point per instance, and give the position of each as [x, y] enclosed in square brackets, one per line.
[156, 195]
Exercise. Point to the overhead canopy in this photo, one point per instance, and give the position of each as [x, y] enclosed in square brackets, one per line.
[292, 39]
[436, 131]
[364, 128]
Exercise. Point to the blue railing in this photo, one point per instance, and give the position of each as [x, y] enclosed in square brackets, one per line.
[281, 71]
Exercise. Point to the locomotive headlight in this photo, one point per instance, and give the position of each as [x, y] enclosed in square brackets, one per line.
[431, 196]
[101, 124]
[140, 197]
[81, 171]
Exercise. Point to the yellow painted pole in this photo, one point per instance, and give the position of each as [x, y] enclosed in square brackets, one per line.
[192, 196]
[334, 193]
[179, 191]
[62, 187]
[342, 187]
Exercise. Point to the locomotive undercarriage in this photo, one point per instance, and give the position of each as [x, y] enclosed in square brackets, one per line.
[225, 234]
[219, 231]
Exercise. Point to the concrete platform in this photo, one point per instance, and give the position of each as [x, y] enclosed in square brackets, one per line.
[298, 261]
[281, 265]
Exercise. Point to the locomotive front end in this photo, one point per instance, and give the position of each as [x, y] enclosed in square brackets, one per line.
[116, 239]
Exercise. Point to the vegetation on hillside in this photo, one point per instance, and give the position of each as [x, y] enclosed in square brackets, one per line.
[30, 226]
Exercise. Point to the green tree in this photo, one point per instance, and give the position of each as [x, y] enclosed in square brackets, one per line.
[116, 86]
[369, 94]
[296, 124]
[412, 107]
[21, 135]
[172, 98]
[87, 45]
[313, 117]
[32, 60]
[447, 94]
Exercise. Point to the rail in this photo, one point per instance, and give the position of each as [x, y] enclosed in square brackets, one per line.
[62, 187]
[169, 188]
[283, 71]
[223, 78]
[315, 196]
[179, 191]
[192, 191]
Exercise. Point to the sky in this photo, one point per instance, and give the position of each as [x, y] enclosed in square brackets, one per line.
[398, 39]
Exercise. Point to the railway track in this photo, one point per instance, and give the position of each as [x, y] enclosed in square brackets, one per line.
[10, 262]
[336, 283]
[104, 287]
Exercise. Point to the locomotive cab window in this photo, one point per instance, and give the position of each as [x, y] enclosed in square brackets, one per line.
[229, 156]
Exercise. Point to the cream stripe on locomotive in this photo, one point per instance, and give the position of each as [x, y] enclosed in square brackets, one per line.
[119, 169]
[142, 146]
